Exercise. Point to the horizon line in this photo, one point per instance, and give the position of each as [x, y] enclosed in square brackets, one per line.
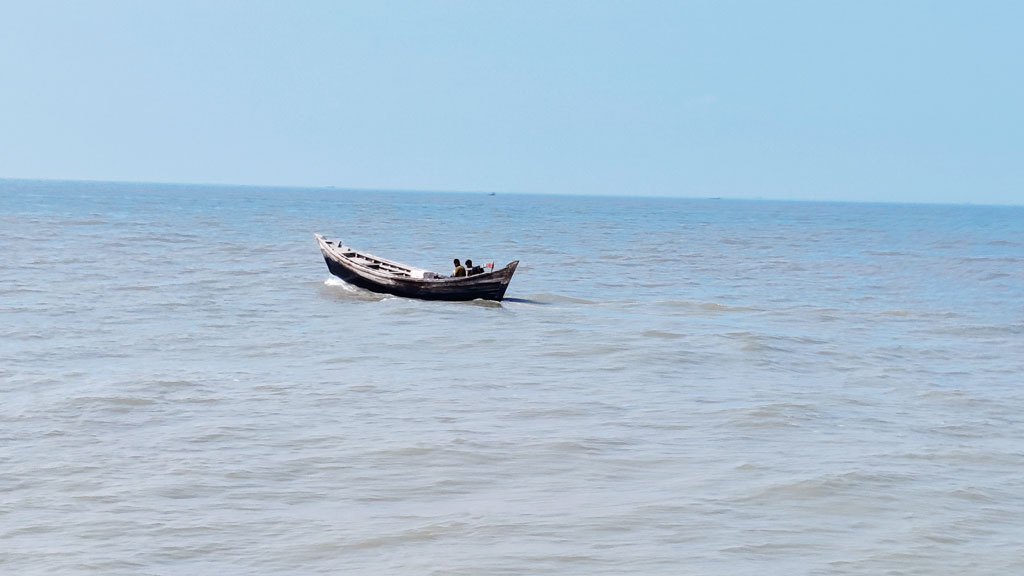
[499, 192]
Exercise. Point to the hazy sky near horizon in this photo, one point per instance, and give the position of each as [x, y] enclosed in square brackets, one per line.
[898, 100]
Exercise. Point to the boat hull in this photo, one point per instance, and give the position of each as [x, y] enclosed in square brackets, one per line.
[352, 269]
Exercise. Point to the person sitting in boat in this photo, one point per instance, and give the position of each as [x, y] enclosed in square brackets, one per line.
[459, 270]
[471, 270]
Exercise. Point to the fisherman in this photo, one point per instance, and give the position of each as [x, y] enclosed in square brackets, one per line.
[459, 270]
[472, 270]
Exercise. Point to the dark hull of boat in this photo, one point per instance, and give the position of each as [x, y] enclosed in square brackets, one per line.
[487, 286]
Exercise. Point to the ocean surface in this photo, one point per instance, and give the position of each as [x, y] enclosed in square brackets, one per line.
[670, 387]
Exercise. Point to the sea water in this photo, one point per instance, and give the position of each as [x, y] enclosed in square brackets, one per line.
[672, 386]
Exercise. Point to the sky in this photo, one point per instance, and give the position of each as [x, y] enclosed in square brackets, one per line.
[896, 100]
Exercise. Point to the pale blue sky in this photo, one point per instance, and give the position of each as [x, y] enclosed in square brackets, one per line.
[862, 100]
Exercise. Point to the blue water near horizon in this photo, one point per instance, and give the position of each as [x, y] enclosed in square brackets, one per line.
[672, 386]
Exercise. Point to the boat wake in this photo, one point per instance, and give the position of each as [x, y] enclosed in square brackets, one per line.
[338, 288]
[550, 298]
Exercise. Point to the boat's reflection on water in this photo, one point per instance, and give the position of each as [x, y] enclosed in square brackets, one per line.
[525, 301]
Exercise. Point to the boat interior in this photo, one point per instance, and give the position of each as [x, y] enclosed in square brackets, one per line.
[379, 264]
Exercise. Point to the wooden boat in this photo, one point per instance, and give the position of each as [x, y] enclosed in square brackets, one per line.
[389, 277]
